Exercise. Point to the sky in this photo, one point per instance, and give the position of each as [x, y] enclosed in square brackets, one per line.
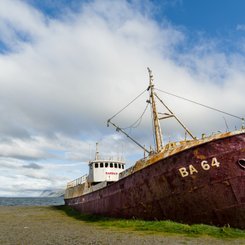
[66, 67]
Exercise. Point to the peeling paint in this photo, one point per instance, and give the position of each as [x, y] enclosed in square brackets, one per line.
[213, 192]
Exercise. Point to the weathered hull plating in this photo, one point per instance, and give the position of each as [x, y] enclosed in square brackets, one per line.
[163, 190]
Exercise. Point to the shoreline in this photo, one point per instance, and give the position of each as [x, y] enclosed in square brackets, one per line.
[52, 225]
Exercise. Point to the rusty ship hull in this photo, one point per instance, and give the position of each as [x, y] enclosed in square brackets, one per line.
[203, 182]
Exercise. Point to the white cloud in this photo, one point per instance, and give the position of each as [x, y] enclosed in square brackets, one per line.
[19, 180]
[19, 20]
[60, 85]
[240, 27]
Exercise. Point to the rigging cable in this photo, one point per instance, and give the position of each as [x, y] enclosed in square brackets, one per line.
[138, 121]
[197, 103]
[127, 105]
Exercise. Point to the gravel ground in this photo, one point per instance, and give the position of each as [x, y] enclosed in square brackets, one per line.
[46, 225]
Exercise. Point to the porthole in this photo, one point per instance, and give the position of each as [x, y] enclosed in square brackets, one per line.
[241, 163]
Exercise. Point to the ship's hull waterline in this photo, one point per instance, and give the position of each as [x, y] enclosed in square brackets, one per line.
[202, 184]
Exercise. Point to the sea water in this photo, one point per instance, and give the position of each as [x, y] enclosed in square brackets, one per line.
[31, 201]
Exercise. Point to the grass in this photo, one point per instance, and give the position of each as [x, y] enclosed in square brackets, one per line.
[156, 227]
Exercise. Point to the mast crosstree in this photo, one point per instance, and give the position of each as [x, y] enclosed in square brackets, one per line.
[156, 119]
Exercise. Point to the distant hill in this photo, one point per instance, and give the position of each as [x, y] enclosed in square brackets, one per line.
[52, 193]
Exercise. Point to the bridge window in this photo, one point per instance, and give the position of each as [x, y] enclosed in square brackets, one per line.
[96, 165]
[122, 166]
[115, 165]
[119, 165]
[111, 165]
[106, 164]
[101, 164]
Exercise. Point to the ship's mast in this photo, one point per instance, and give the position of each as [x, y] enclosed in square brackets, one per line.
[156, 120]
[97, 151]
[156, 123]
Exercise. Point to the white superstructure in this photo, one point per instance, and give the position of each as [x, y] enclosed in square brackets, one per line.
[102, 172]
[105, 170]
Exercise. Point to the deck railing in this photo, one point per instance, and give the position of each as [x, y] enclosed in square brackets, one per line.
[109, 158]
[77, 181]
